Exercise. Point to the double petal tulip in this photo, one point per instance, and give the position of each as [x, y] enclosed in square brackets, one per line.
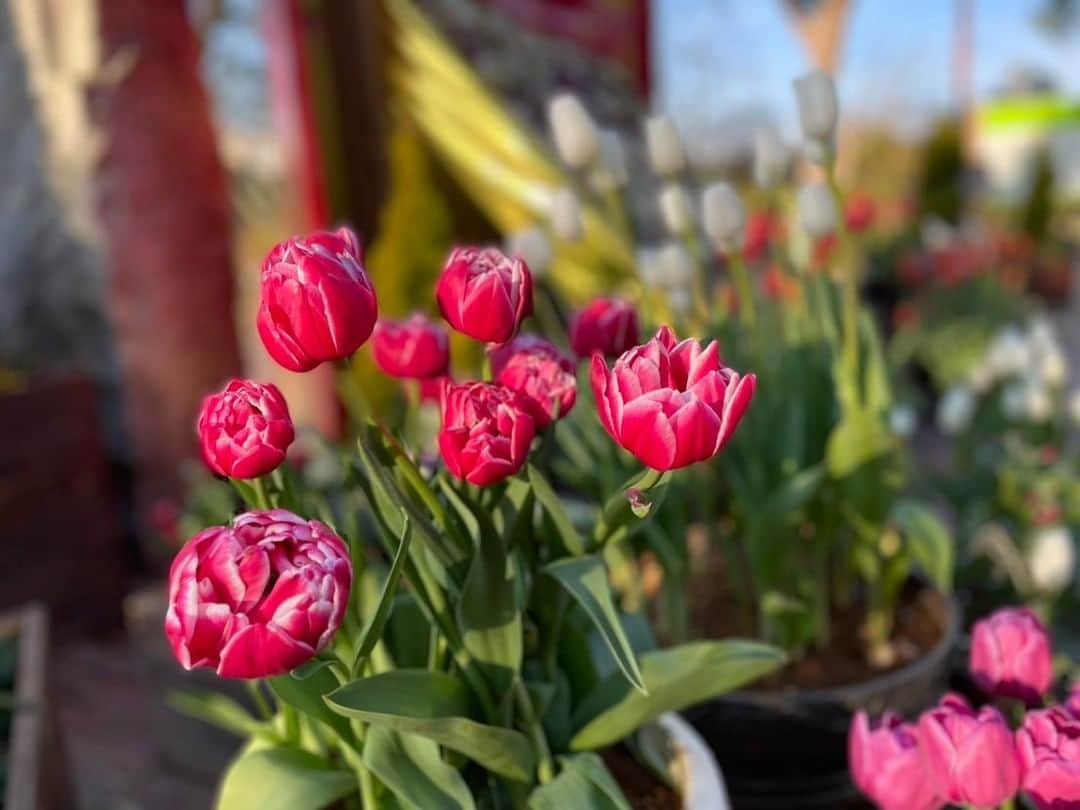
[886, 764]
[317, 300]
[607, 325]
[670, 403]
[415, 348]
[1011, 655]
[540, 373]
[484, 294]
[1049, 747]
[245, 429]
[970, 756]
[257, 598]
[486, 432]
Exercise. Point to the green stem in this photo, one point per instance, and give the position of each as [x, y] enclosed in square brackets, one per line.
[254, 688]
[747, 307]
[545, 767]
[551, 643]
[850, 283]
[262, 497]
[612, 515]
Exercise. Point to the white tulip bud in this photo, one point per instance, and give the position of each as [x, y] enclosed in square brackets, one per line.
[818, 151]
[956, 410]
[815, 94]
[817, 210]
[679, 299]
[1051, 559]
[771, 158]
[650, 267]
[1041, 332]
[1053, 366]
[566, 216]
[610, 172]
[666, 153]
[723, 215]
[903, 421]
[981, 378]
[1009, 353]
[576, 137]
[677, 264]
[676, 209]
[1038, 404]
[1074, 407]
[532, 245]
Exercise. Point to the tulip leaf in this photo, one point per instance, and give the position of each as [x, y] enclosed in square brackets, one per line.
[437, 706]
[283, 779]
[585, 578]
[216, 709]
[584, 782]
[551, 503]
[676, 678]
[928, 540]
[376, 624]
[411, 767]
[306, 695]
[860, 437]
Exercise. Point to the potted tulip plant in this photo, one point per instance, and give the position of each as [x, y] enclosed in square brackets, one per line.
[456, 642]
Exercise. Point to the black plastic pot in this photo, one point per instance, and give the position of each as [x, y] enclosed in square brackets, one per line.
[787, 749]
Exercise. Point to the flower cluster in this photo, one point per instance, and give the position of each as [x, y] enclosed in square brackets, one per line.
[958, 754]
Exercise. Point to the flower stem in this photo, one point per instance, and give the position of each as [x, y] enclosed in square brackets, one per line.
[612, 515]
[262, 497]
[747, 309]
[850, 285]
[545, 767]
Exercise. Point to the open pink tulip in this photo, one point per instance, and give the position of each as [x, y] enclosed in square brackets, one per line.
[245, 429]
[607, 325]
[1049, 748]
[886, 764]
[1011, 655]
[970, 756]
[484, 294]
[670, 403]
[542, 374]
[317, 300]
[415, 348]
[259, 597]
[486, 432]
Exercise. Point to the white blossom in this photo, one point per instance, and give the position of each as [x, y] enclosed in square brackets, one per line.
[566, 215]
[1051, 559]
[677, 264]
[1009, 353]
[903, 421]
[771, 158]
[610, 172]
[817, 210]
[815, 94]
[723, 215]
[650, 266]
[532, 245]
[667, 156]
[576, 137]
[676, 209]
[955, 410]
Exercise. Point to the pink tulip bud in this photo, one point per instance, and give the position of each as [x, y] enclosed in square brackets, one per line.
[245, 429]
[886, 764]
[859, 213]
[970, 756]
[257, 598]
[607, 325]
[484, 294]
[317, 300]
[671, 404]
[1049, 747]
[486, 432]
[415, 348]
[1011, 655]
[540, 373]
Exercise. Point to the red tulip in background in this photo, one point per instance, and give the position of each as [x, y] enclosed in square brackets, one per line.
[540, 373]
[671, 404]
[484, 294]
[486, 432]
[969, 755]
[887, 766]
[760, 231]
[415, 348]
[607, 325]
[245, 429]
[859, 213]
[1011, 655]
[317, 300]
[1049, 747]
[259, 597]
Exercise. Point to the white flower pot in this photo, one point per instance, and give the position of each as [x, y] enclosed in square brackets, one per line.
[693, 766]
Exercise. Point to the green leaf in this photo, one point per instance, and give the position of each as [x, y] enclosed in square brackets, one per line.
[283, 779]
[551, 503]
[437, 706]
[216, 709]
[411, 767]
[583, 784]
[676, 678]
[860, 437]
[306, 696]
[586, 579]
[373, 631]
[928, 540]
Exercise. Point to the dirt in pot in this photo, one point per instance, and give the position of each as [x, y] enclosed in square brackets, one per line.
[644, 789]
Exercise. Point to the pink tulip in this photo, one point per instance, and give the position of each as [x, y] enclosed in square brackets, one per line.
[257, 598]
[484, 294]
[1049, 748]
[245, 429]
[671, 404]
[970, 756]
[317, 300]
[859, 213]
[1011, 655]
[486, 432]
[538, 371]
[886, 764]
[415, 348]
[1072, 703]
[607, 325]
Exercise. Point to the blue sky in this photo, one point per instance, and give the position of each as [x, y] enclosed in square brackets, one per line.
[718, 58]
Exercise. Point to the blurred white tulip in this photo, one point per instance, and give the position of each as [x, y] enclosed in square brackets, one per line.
[1009, 353]
[815, 94]
[650, 266]
[677, 264]
[1038, 404]
[819, 151]
[679, 299]
[955, 410]
[666, 153]
[576, 137]
[1051, 559]
[723, 215]
[610, 172]
[772, 157]
[532, 245]
[1074, 407]
[566, 215]
[1053, 367]
[903, 421]
[817, 210]
[676, 209]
